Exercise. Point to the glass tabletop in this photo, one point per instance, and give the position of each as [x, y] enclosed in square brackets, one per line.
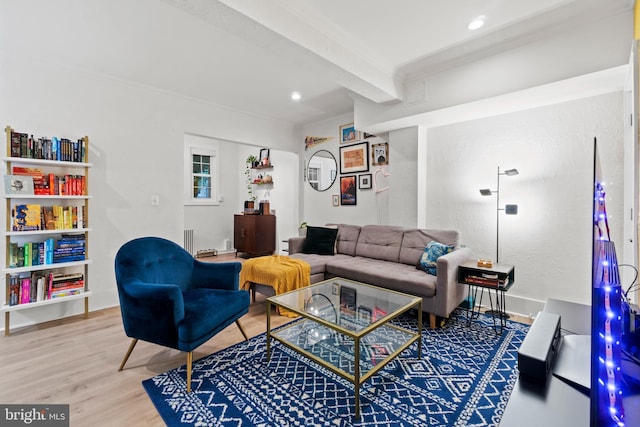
[348, 305]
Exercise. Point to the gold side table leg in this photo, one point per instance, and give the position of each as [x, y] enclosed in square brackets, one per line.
[356, 375]
[6, 324]
[268, 330]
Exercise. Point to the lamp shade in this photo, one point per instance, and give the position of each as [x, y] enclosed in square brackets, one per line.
[511, 209]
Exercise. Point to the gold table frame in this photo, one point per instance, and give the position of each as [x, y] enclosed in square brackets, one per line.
[356, 378]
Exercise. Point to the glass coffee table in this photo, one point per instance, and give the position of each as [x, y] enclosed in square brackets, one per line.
[346, 327]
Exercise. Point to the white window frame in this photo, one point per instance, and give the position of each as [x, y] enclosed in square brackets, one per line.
[194, 145]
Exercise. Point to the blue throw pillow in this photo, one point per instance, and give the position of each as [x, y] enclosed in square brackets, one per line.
[432, 252]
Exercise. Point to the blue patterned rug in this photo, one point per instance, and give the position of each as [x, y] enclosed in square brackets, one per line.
[464, 378]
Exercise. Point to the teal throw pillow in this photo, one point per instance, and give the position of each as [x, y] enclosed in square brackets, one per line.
[433, 251]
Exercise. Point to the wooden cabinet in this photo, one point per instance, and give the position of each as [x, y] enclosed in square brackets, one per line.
[254, 235]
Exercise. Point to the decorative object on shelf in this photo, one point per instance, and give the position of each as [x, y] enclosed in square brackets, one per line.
[264, 157]
[15, 184]
[321, 170]
[349, 134]
[348, 190]
[265, 207]
[354, 158]
[380, 154]
[310, 141]
[364, 181]
[485, 263]
[267, 179]
[508, 209]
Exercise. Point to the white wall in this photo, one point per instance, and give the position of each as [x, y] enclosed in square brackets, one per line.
[549, 240]
[136, 146]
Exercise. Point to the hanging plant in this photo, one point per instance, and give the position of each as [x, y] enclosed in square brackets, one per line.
[247, 173]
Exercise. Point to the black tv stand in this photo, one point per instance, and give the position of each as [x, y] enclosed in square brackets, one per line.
[564, 399]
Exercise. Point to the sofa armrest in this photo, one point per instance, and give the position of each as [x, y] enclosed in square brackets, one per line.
[449, 293]
[151, 310]
[295, 244]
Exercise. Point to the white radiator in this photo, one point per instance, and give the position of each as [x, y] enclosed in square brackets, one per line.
[188, 240]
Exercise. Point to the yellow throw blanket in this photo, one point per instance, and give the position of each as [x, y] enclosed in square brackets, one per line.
[281, 272]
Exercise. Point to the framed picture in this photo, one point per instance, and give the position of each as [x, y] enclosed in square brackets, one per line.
[335, 200]
[264, 157]
[348, 190]
[364, 181]
[380, 154]
[354, 158]
[349, 134]
[18, 184]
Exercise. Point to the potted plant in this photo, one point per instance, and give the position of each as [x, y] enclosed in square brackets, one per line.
[302, 229]
[247, 173]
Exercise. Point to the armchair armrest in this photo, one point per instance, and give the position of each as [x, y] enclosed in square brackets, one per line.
[295, 244]
[216, 275]
[151, 311]
[449, 292]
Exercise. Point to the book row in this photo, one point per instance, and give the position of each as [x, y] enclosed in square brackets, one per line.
[485, 281]
[42, 286]
[34, 181]
[61, 149]
[34, 217]
[50, 251]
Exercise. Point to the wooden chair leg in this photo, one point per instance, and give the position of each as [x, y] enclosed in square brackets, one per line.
[126, 356]
[189, 363]
[432, 321]
[242, 330]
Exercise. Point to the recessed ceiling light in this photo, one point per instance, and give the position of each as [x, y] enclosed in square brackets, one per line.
[477, 22]
[295, 96]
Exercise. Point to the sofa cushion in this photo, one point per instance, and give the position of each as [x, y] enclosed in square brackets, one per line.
[415, 240]
[380, 242]
[320, 240]
[317, 262]
[347, 238]
[433, 251]
[386, 274]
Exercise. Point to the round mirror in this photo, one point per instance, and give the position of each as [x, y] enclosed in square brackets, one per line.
[322, 170]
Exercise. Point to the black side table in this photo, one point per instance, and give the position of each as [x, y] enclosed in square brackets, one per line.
[499, 278]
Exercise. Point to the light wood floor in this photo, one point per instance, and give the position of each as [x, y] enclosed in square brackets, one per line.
[75, 361]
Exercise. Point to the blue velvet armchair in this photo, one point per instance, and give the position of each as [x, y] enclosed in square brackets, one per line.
[169, 298]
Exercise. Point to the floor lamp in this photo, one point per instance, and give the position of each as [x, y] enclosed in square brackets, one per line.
[508, 210]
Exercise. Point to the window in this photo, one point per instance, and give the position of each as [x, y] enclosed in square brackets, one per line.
[202, 185]
[313, 177]
[201, 170]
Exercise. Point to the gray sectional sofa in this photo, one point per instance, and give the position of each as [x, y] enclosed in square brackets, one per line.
[387, 256]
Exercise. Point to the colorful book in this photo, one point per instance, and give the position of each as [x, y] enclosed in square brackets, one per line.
[26, 218]
[25, 290]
